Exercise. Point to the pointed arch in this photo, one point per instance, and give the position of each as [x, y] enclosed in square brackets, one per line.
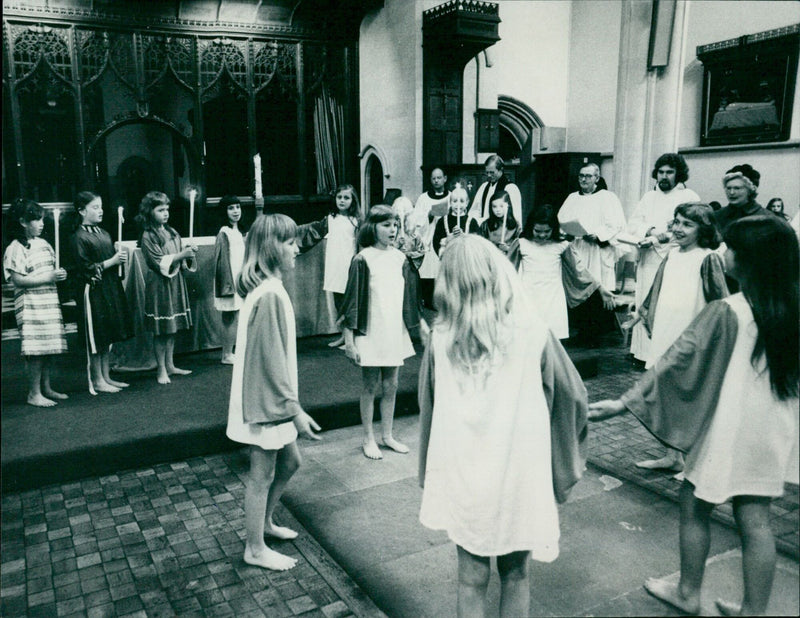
[373, 161]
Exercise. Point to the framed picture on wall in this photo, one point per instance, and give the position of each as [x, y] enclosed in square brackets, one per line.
[748, 87]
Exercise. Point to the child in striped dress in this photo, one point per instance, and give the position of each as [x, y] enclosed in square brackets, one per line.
[29, 264]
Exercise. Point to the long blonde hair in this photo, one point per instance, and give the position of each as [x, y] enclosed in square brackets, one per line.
[474, 296]
[262, 254]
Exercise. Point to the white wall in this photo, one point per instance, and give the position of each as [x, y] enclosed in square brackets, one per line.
[530, 63]
[594, 39]
[389, 52]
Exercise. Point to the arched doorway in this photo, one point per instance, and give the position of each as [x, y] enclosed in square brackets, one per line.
[134, 155]
[374, 173]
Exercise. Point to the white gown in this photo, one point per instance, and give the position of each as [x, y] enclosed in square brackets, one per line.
[387, 342]
[540, 269]
[488, 479]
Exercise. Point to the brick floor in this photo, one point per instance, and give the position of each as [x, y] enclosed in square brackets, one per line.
[160, 541]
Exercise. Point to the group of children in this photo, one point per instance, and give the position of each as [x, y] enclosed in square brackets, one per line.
[503, 410]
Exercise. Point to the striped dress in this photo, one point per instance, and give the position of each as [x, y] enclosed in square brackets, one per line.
[37, 309]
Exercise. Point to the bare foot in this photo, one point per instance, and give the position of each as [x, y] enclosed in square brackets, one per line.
[227, 359]
[336, 342]
[668, 462]
[371, 450]
[269, 559]
[163, 378]
[106, 388]
[397, 447]
[117, 383]
[51, 394]
[280, 532]
[670, 593]
[40, 401]
[726, 608]
[179, 372]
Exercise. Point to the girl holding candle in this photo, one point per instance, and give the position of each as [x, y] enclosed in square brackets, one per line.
[381, 305]
[228, 259]
[500, 227]
[502, 416]
[101, 299]
[166, 304]
[451, 225]
[29, 264]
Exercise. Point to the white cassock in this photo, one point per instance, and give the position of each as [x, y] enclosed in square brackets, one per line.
[430, 263]
[600, 214]
[655, 211]
[477, 212]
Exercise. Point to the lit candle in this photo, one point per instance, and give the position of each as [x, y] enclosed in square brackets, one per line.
[120, 220]
[56, 217]
[192, 195]
[458, 220]
[503, 233]
[257, 173]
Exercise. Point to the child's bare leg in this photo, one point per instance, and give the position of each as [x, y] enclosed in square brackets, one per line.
[695, 539]
[389, 386]
[287, 462]
[262, 474]
[337, 305]
[47, 390]
[366, 403]
[228, 336]
[758, 556]
[672, 460]
[35, 397]
[515, 590]
[105, 366]
[171, 368]
[473, 579]
[160, 348]
[99, 380]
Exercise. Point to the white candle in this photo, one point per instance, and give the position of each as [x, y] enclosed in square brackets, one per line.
[56, 217]
[458, 220]
[257, 173]
[503, 233]
[120, 221]
[192, 195]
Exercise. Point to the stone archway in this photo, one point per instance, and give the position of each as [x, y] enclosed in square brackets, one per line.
[517, 120]
[374, 171]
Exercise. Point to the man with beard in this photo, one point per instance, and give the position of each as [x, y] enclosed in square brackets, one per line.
[650, 224]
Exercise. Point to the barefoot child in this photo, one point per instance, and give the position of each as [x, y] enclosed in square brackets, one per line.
[29, 265]
[501, 411]
[339, 229]
[228, 257]
[726, 394]
[500, 213]
[264, 410]
[552, 271]
[101, 299]
[690, 277]
[166, 300]
[380, 307]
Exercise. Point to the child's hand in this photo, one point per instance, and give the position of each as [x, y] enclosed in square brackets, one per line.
[601, 410]
[351, 352]
[59, 274]
[609, 300]
[122, 253]
[306, 425]
[189, 251]
[503, 247]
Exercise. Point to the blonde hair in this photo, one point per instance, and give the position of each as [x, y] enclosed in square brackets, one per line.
[474, 295]
[262, 253]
